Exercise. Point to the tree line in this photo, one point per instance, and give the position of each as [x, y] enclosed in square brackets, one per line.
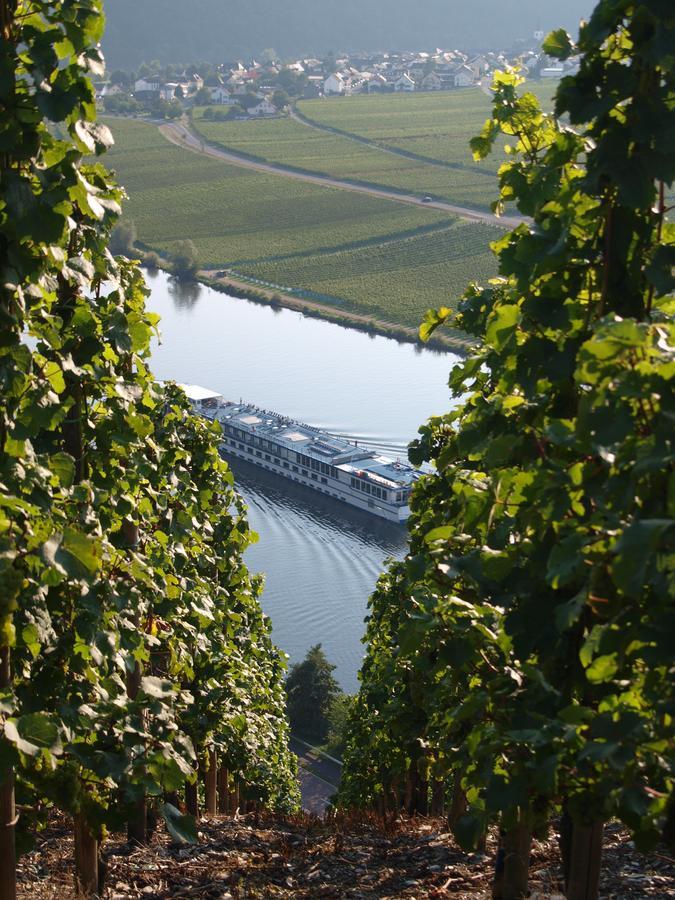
[520, 658]
[134, 655]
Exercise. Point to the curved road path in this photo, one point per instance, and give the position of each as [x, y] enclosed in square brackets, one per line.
[319, 776]
[179, 134]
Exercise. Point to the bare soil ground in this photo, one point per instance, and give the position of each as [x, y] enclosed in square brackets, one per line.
[308, 857]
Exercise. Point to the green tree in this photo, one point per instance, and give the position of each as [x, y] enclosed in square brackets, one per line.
[185, 259]
[294, 83]
[528, 620]
[121, 78]
[311, 689]
[280, 99]
[203, 96]
[170, 109]
[123, 237]
[120, 104]
[121, 536]
[248, 100]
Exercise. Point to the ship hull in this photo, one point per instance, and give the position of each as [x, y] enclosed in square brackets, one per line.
[332, 489]
[327, 464]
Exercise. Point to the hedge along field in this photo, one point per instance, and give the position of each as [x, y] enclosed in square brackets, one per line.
[399, 280]
[290, 143]
[437, 125]
[234, 214]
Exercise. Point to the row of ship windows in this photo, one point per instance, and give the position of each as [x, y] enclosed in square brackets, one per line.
[357, 483]
[303, 459]
[380, 493]
[276, 460]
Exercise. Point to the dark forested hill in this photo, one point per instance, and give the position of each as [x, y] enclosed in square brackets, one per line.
[216, 30]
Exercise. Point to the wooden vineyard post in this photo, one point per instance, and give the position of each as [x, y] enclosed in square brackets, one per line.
[458, 803]
[137, 826]
[211, 784]
[516, 845]
[86, 859]
[234, 798]
[437, 797]
[585, 861]
[223, 791]
[192, 797]
[7, 805]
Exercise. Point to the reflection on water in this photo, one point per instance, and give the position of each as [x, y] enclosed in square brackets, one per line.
[185, 293]
[321, 558]
[321, 561]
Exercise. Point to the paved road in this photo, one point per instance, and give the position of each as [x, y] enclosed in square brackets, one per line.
[180, 135]
[319, 777]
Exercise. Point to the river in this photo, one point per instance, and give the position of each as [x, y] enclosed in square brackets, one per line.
[320, 558]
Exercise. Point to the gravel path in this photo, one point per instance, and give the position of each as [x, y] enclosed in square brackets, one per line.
[179, 134]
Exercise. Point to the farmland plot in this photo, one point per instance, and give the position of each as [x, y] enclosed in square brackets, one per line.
[287, 142]
[398, 280]
[437, 126]
[390, 260]
[236, 214]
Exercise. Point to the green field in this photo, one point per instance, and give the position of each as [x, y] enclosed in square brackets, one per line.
[300, 146]
[396, 280]
[380, 257]
[437, 126]
[236, 214]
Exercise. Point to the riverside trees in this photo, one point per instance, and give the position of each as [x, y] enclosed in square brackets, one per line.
[132, 644]
[523, 651]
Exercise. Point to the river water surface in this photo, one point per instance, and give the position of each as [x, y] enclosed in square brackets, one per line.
[320, 558]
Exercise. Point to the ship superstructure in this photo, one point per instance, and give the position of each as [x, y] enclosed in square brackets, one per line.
[331, 465]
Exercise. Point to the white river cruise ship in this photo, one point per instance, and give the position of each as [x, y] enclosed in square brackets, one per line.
[331, 465]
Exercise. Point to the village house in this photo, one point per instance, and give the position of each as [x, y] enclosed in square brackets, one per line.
[479, 65]
[146, 86]
[552, 72]
[312, 66]
[169, 90]
[334, 84]
[464, 76]
[264, 108]
[109, 90]
[432, 82]
[404, 84]
[377, 83]
[222, 96]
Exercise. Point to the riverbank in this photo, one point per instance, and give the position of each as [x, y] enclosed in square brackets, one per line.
[451, 340]
[353, 259]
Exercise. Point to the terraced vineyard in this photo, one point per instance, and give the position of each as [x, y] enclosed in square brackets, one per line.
[234, 214]
[302, 147]
[395, 280]
[437, 126]
[391, 260]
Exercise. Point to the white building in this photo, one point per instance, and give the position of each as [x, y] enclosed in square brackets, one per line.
[109, 90]
[552, 72]
[264, 108]
[168, 91]
[334, 84]
[432, 82]
[143, 86]
[405, 83]
[464, 77]
[221, 95]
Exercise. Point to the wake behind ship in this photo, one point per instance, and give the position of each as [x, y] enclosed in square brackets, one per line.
[331, 465]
